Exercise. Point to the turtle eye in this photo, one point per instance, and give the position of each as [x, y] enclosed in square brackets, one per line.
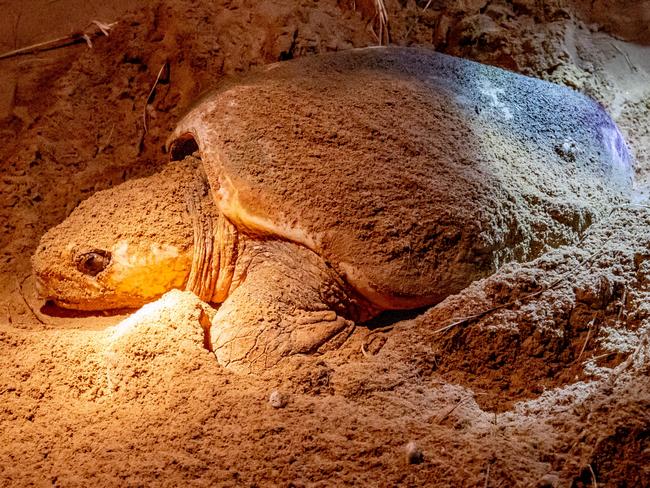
[94, 262]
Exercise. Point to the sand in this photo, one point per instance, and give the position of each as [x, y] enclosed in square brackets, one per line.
[549, 391]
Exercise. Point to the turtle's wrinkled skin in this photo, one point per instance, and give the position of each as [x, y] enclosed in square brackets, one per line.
[347, 184]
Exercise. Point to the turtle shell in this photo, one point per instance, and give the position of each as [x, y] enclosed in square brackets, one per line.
[412, 173]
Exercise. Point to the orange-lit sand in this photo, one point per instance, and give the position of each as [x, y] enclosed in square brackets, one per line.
[72, 124]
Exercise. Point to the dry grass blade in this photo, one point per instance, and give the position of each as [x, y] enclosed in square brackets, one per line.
[600, 356]
[163, 69]
[369, 337]
[451, 410]
[27, 304]
[584, 345]
[382, 15]
[593, 477]
[74, 38]
[163, 73]
[417, 19]
[625, 55]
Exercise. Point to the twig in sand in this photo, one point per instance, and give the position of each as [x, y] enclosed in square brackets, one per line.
[593, 476]
[417, 18]
[163, 69]
[68, 40]
[629, 361]
[27, 304]
[625, 55]
[584, 345]
[366, 339]
[363, 350]
[600, 356]
[487, 476]
[382, 15]
[451, 410]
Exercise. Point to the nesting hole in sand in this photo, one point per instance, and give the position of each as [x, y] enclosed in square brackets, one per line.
[182, 147]
[50, 309]
[392, 317]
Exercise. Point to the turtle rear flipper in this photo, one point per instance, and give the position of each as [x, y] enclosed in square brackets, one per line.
[286, 301]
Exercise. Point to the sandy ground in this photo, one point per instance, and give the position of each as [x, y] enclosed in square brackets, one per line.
[551, 389]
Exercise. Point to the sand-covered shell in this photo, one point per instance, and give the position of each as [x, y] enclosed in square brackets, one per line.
[410, 172]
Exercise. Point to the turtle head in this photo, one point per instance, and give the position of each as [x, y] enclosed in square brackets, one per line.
[84, 275]
[120, 248]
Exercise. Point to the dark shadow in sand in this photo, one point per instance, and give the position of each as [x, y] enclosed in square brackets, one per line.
[50, 309]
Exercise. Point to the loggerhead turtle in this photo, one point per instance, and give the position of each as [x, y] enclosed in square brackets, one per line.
[348, 184]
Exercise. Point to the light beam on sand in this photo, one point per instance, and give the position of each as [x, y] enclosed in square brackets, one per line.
[144, 314]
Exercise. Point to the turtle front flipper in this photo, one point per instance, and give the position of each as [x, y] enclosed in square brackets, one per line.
[284, 300]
